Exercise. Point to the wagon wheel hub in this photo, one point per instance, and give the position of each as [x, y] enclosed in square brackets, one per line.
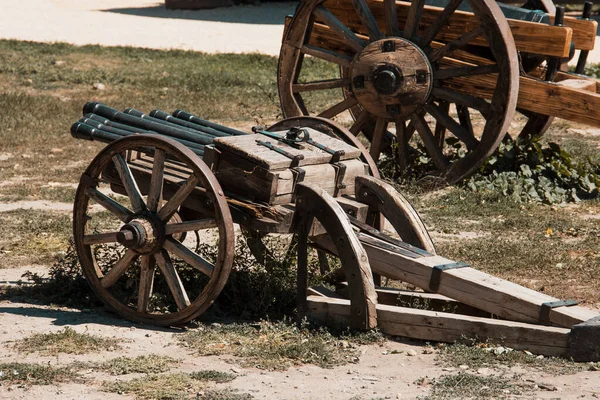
[391, 78]
[144, 234]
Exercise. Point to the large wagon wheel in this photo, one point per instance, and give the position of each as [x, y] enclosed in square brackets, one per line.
[152, 265]
[406, 67]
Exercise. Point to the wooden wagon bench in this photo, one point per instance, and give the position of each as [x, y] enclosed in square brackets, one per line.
[163, 176]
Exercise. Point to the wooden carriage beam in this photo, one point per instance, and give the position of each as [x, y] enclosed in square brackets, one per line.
[529, 37]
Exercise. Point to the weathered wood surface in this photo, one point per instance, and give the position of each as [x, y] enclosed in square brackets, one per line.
[446, 327]
[584, 32]
[529, 36]
[247, 147]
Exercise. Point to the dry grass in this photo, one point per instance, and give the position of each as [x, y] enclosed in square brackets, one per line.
[66, 341]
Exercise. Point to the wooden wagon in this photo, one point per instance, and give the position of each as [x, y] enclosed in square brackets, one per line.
[145, 192]
[413, 73]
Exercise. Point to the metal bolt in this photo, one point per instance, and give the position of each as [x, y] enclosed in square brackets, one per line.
[393, 109]
[359, 82]
[388, 46]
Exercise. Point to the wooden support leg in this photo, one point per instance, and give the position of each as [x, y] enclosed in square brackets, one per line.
[314, 202]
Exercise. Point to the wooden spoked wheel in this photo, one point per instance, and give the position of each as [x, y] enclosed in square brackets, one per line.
[425, 70]
[330, 128]
[128, 246]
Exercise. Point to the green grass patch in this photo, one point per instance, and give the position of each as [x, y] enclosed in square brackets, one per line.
[469, 386]
[66, 341]
[484, 355]
[34, 374]
[276, 345]
[150, 364]
[168, 386]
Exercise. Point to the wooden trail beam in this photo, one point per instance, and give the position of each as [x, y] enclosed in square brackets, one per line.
[466, 285]
[446, 327]
[529, 37]
[584, 32]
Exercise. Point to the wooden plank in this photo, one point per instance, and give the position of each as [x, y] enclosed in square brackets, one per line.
[446, 327]
[584, 32]
[529, 36]
[246, 147]
[475, 288]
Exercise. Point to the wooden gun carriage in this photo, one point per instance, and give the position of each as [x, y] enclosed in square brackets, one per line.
[413, 73]
[145, 192]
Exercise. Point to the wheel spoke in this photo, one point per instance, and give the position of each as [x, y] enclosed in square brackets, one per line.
[119, 268]
[188, 226]
[378, 134]
[327, 55]
[339, 28]
[465, 99]
[455, 44]
[440, 130]
[167, 211]
[320, 85]
[156, 180]
[391, 18]
[413, 18]
[466, 71]
[464, 117]
[99, 238]
[460, 132]
[146, 283]
[339, 107]
[367, 19]
[131, 187]
[360, 122]
[434, 151]
[440, 21]
[173, 281]
[109, 204]
[189, 256]
[402, 150]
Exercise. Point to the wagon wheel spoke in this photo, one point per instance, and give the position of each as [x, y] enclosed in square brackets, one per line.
[463, 134]
[440, 130]
[339, 28]
[320, 85]
[340, 107]
[451, 96]
[466, 71]
[100, 238]
[367, 19]
[327, 55]
[456, 44]
[414, 17]
[189, 256]
[131, 187]
[109, 204]
[188, 226]
[441, 20]
[156, 182]
[402, 149]
[464, 117]
[434, 151]
[146, 283]
[119, 268]
[360, 122]
[173, 281]
[391, 18]
[167, 211]
[378, 134]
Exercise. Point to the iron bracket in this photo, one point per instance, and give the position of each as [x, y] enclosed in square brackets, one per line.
[436, 274]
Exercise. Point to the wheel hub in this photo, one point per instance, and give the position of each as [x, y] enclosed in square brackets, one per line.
[391, 78]
[144, 234]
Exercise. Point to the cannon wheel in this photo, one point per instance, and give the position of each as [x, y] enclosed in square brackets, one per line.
[150, 257]
[330, 128]
[393, 75]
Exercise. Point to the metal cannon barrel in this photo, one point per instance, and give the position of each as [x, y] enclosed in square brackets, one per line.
[199, 121]
[157, 126]
[80, 130]
[158, 114]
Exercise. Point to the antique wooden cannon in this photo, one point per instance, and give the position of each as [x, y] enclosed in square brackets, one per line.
[162, 177]
[464, 70]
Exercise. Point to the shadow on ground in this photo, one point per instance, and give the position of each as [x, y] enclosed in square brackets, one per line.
[264, 14]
